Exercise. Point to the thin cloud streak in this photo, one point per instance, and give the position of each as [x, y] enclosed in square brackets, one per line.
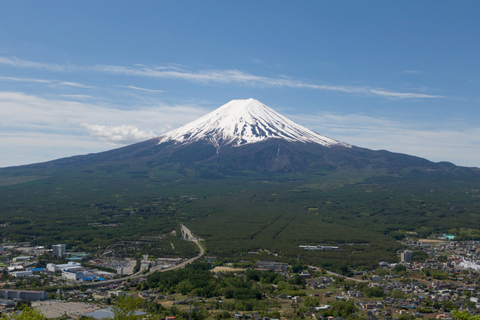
[25, 80]
[144, 89]
[19, 63]
[53, 82]
[75, 84]
[212, 76]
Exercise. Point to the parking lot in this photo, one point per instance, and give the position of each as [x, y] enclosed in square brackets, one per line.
[55, 309]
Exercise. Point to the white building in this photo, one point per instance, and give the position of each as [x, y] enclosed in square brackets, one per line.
[18, 274]
[76, 274]
[21, 258]
[54, 267]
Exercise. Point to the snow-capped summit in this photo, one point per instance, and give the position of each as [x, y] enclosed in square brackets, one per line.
[241, 122]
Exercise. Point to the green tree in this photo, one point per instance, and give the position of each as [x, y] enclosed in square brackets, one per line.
[125, 308]
[406, 317]
[27, 314]
[311, 302]
[464, 315]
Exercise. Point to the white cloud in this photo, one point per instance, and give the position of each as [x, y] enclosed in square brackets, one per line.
[35, 129]
[144, 89]
[19, 63]
[74, 84]
[403, 95]
[76, 96]
[25, 80]
[231, 76]
[119, 135]
[53, 82]
[31, 112]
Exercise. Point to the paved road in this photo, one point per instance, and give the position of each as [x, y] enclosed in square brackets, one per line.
[189, 236]
[346, 278]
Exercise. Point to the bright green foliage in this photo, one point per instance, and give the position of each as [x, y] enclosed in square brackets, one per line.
[464, 315]
[197, 277]
[311, 302]
[125, 308]
[341, 309]
[27, 314]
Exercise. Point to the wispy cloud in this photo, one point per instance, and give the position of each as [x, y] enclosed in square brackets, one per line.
[403, 95]
[74, 84]
[20, 111]
[230, 76]
[19, 63]
[25, 80]
[76, 96]
[53, 82]
[237, 76]
[144, 89]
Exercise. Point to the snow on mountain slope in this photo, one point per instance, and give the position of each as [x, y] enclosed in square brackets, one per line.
[241, 122]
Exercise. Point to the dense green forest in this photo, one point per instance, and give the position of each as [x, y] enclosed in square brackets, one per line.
[360, 212]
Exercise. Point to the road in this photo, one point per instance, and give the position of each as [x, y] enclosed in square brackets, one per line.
[187, 235]
[346, 278]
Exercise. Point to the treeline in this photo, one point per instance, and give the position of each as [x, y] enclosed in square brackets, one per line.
[198, 280]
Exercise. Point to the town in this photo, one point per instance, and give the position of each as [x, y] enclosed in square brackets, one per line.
[431, 279]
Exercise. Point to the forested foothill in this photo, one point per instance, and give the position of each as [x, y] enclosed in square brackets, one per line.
[240, 216]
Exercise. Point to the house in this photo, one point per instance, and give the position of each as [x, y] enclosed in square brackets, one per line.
[271, 265]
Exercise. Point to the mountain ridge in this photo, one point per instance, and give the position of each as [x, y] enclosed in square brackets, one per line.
[246, 135]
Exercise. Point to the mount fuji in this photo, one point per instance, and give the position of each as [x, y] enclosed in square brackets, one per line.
[242, 122]
[246, 135]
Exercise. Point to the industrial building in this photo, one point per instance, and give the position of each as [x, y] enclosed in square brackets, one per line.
[23, 294]
[52, 267]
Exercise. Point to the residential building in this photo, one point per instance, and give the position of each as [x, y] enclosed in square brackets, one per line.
[59, 250]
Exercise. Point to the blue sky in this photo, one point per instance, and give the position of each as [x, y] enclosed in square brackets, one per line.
[78, 77]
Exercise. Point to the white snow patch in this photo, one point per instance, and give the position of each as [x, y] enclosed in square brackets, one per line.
[241, 122]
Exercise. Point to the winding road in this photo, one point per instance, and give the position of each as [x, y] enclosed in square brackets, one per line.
[187, 234]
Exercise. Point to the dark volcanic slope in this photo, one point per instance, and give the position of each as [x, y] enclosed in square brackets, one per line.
[272, 155]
